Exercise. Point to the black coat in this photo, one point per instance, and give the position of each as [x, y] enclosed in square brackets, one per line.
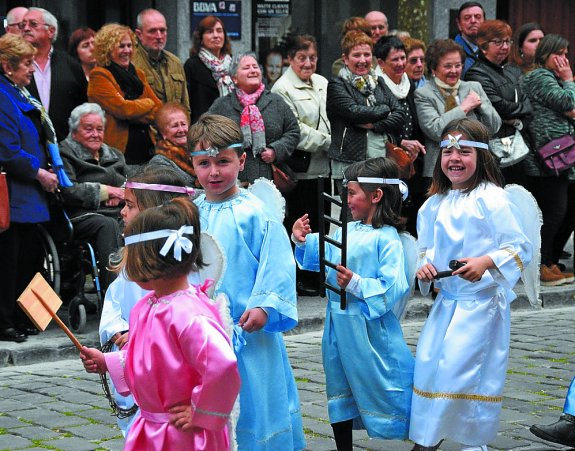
[68, 89]
[347, 108]
[202, 87]
[500, 84]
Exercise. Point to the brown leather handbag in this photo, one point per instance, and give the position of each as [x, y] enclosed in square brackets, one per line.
[401, 158]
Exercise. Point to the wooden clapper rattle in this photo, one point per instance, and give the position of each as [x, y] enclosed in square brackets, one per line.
[40, 302]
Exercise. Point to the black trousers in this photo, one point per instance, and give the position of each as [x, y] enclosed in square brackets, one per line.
[21, 257]
[103, 233]
[304, 199]
[551, 194]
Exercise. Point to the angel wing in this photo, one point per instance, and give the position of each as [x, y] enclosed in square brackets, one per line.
[215, 261]
[410, 257]
[274, 203]
[529, 216]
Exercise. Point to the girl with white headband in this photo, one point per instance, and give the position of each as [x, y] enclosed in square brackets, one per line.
[179, 363]
[462, 352]
[152, 186]
[368, 366]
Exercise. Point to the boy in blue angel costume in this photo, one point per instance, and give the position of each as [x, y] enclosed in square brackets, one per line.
[259, 282]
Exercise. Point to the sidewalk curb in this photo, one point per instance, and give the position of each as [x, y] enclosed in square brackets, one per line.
[52, 344]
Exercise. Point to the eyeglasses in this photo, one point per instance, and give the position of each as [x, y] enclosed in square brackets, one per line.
[303, 58]
[415, 59]
[500, 42]
[32, 23]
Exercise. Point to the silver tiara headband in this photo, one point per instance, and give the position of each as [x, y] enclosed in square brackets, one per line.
[214, 151]
[175, 239]
[457, 142]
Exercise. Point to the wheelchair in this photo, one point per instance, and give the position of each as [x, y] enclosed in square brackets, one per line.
[66, 264]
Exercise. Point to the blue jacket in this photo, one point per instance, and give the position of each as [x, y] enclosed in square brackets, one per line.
[22, 153]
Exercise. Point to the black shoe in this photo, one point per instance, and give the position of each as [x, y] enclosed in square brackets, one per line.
[565, 255]
[303, 290]
[28, 330]
[417, 447]
[11, 334]
[562, 431]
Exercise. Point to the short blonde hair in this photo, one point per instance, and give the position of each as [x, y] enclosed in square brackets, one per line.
[108, 37]
[215, 130]
[13, 49]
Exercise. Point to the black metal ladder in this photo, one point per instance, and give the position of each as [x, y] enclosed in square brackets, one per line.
[327, 220]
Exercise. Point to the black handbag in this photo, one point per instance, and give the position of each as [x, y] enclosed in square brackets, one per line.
[299, 161]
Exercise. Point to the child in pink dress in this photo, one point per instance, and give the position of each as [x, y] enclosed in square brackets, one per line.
[178, 363]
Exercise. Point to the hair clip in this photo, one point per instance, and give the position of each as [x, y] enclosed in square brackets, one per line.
[457, 142]
[176, 239]
[381, 181]
[214, 151]
[157, 187]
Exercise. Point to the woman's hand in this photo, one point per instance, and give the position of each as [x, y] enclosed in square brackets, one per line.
[413, 147]
[366, 126]
[268, 155]
[562, 68]
[93, 360]
[48, 180]
[472, 101]
[253, 319]
[474, 268]
[343, 276]
[301, 228]
[426, 273]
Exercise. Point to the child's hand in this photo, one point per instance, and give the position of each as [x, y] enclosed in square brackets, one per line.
[343, 276]
[120, 339]
[181, 417]
[93, 360]
[426, 273]
[253, 319]
[301, 228]
[474, 268]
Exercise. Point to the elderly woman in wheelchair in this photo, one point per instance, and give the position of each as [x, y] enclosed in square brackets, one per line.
[98, 173]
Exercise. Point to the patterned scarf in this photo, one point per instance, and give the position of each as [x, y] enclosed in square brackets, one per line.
[47, 125]
[179, 155]
[220, 69]
[251, 121]
[448, 92]
[365, 84]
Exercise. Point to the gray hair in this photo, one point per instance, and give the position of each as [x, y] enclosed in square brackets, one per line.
[237, 59]
[143, 13]
[49, 19]
[82, 110]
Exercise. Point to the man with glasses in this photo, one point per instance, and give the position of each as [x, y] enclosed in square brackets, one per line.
[13, 19]
[59, 81]
[469, 17]
[163, 69]
[378, 23]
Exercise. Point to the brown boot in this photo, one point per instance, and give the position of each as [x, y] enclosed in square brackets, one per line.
[549, 278]
[568, 276]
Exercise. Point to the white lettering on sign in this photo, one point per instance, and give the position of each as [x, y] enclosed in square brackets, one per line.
[205, 7]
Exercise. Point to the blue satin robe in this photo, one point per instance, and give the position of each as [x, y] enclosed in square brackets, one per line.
[368, 366]
[463, 349]
[260, 273]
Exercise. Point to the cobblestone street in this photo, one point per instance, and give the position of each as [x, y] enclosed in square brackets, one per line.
[55, 405]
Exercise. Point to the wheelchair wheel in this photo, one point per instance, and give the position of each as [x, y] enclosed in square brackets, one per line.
[77, 314]
[51, 263]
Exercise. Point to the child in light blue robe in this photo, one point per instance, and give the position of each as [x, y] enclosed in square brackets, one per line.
[368, 366]
[260, 283]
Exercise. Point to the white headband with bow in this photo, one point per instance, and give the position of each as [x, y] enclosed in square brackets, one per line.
[176, 239]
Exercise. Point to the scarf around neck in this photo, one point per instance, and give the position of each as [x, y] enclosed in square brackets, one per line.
[251, 121]
[130, 84]
[220, 69]
[179, 155]
[402, 89]
[448, 92]
[366, 84]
